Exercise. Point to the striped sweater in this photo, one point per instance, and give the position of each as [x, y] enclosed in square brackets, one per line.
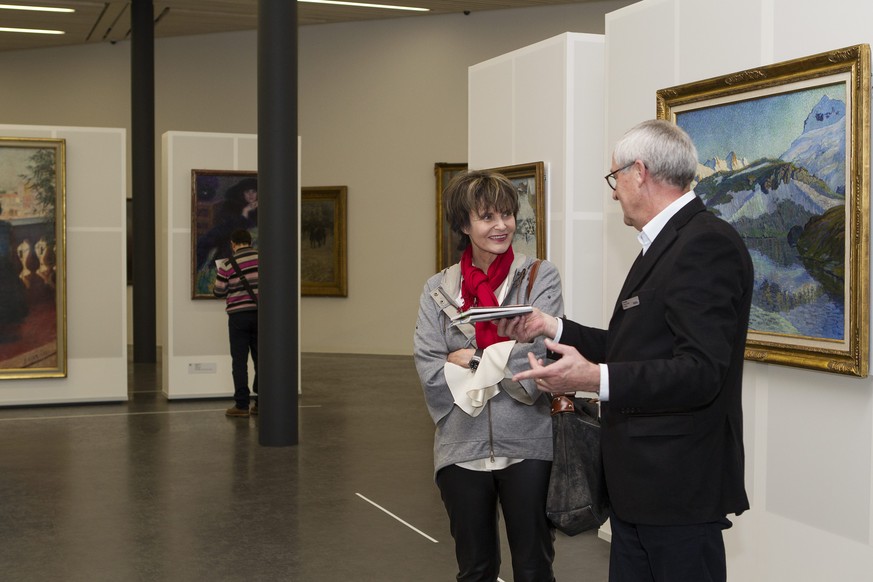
[229, 285]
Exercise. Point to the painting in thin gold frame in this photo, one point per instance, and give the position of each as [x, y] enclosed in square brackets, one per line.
[221, 201]
[530, 226]
[447, 243]
[33, 319]
[323, 246]
[784, 157]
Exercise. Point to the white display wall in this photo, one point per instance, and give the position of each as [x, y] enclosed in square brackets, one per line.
[96, 270]
[544, 103]
[195, 348]
[808, 435]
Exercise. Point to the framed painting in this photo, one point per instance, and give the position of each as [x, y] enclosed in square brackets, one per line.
[785, 158]
[323, 250]
[33, 318]
[530, 226]
[447, 243]
[221, 202]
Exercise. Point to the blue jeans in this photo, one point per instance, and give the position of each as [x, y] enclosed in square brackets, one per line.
[243, 330]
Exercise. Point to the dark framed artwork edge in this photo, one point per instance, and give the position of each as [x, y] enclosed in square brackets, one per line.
[337, 196]
[445, 239]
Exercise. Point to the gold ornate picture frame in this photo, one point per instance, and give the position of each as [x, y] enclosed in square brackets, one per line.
[323, 242]
[33, 314]
[785, 158]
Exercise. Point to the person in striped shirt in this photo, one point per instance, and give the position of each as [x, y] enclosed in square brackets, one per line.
[237, 281]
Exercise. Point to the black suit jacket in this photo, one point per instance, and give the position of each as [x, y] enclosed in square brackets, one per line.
[672, 430]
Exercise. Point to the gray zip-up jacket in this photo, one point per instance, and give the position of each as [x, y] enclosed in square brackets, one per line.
[517, 427]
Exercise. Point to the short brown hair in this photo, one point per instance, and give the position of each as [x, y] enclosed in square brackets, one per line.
[475, 191]
[241, 237]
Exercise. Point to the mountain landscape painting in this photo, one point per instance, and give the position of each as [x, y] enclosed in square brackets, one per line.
[774, 167]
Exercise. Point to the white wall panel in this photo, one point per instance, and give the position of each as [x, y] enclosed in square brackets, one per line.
[715, 36]
[805, 27]
[820, 444]
[556, 88]
[491, 113]
[195, 332]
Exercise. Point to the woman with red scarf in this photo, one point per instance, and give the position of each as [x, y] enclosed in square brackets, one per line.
[493, 439]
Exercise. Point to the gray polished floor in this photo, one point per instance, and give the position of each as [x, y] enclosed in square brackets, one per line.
[156, 490]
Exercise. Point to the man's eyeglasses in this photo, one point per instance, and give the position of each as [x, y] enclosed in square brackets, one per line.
[610, 177]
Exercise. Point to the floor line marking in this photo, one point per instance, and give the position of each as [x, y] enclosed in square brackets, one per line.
[69, 416]
[407, 524]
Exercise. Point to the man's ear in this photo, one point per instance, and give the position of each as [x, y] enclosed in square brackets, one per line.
[642, 170]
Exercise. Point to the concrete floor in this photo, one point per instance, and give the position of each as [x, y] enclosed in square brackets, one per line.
[157, 490]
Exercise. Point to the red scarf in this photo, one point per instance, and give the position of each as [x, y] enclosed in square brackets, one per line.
[478, 289]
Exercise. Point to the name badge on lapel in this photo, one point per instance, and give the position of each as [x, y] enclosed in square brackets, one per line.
[629, 303]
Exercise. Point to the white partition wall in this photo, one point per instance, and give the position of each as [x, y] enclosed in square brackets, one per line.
[195, 349]
[96, 270]
[544, 103]
[808, 435]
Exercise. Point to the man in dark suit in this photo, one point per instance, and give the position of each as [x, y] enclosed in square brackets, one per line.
[668, 369]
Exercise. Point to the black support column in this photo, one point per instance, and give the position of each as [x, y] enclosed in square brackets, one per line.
[278, 239]
[142, 106]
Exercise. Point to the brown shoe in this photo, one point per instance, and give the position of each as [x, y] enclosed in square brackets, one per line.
[254, 410]
[234, 411]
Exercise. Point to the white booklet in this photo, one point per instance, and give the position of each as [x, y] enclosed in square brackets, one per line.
[475, 314]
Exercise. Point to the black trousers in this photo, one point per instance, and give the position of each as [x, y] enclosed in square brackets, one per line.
[657, 553]
[471, 499]
[243, 330]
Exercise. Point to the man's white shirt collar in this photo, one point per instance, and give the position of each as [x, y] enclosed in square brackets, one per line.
[654, 227]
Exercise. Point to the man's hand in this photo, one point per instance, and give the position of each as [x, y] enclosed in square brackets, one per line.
[526, 328]
[571, 373]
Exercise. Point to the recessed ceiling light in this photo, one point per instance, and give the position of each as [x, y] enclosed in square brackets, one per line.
[367, 5]
[31, 30]
[35, 8]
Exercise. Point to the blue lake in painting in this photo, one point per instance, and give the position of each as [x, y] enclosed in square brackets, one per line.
[805, 307]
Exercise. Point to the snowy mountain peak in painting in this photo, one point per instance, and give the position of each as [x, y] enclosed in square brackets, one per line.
[731, 163]
[826, 112]
[821, 148]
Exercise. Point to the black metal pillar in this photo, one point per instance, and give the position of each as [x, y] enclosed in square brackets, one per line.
[142, 106]
[278, 245]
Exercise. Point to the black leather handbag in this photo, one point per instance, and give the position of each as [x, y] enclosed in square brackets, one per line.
[577, 500]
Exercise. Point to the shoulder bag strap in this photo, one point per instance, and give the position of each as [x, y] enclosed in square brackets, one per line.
[242, 278]
[534, 269]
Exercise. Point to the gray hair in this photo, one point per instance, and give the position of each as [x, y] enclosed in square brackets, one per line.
[665, 149]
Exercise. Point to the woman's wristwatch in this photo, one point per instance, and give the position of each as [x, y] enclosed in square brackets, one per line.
[474, 361]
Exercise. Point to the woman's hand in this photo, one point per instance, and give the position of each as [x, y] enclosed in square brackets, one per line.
[249, 208]
[461, 357]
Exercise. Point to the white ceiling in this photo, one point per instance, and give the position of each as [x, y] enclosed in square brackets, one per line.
[109, 21]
